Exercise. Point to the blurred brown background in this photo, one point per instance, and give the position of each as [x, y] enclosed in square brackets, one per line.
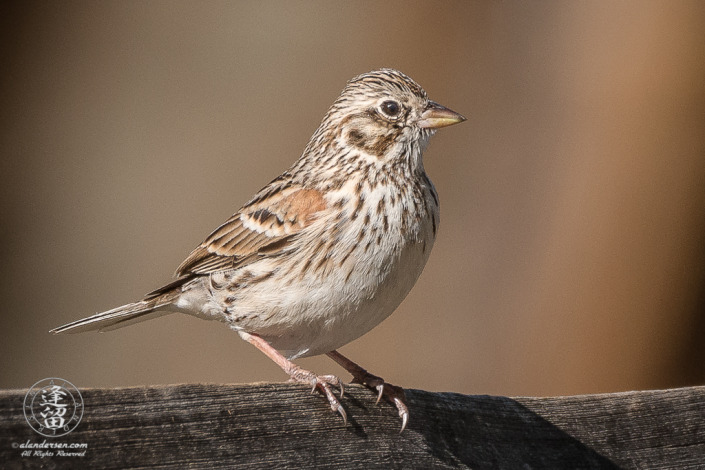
[571, 252]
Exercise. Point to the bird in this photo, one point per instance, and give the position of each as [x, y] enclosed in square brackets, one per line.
[325, 251]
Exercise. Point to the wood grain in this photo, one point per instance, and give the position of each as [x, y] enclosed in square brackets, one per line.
[284, 426]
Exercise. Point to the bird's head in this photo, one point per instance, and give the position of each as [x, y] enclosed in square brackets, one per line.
[381, 119]
[384, 113]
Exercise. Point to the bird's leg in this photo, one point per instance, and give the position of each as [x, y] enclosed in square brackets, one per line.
[393, 393]
[323, 382]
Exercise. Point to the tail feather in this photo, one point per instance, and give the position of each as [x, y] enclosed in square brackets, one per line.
[118, 317]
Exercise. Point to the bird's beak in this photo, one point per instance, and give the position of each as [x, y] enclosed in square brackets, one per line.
[436, 116]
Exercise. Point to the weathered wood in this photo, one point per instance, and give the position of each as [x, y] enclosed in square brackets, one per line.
[284, 426]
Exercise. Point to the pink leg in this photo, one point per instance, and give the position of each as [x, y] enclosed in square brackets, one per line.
[297, 374]
[391, 392]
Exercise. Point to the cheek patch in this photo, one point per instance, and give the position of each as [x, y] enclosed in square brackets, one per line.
[380, 144]
[375, 145]
[356, 139]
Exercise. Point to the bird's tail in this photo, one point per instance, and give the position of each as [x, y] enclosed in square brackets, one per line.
[119, 317]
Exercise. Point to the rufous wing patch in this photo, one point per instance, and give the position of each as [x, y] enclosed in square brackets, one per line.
[268, 224]
[302, 205]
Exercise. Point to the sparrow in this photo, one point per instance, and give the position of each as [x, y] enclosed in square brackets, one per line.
[328, 249]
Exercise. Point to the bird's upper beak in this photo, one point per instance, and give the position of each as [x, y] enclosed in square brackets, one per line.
[436, 116]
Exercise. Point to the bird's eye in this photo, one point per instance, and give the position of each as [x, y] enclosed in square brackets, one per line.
[391, 108]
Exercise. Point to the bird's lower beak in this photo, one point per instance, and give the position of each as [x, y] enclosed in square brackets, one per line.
[436, 116]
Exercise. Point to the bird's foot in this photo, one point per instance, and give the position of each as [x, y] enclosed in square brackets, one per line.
[392, 393]
[324, 383]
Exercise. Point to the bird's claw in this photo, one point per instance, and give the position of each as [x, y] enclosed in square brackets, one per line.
[324, 383]
[397, 397]
[392, 393]
[403, 413]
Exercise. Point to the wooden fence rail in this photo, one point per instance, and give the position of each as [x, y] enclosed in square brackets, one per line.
[284, 426]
